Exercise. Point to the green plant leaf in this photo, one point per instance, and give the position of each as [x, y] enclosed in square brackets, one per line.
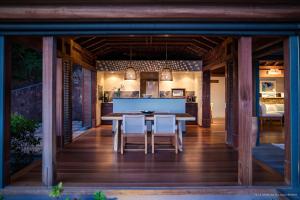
[56, 190]
[99, 195]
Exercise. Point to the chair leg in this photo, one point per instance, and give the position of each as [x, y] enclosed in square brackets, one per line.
[176, 144]
[152, 136]
[122, 143]
[146, 143]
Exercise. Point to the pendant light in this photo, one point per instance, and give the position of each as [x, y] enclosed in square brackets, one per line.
[130, 73]
[166, 72]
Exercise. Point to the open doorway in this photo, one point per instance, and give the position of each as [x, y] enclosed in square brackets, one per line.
[218, 95]
[270, 150]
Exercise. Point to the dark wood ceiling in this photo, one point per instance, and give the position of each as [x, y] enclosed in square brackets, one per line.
[149, 47]
[268, 49]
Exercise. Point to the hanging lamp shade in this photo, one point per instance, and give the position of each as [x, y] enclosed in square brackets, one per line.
[166, 74]
[130, 74]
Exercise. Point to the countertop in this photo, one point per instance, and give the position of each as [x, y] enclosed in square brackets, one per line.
[151, 98]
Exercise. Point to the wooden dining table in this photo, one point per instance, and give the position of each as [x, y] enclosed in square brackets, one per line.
[118, 117]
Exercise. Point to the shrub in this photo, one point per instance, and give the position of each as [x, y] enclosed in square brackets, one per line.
[23, 141]
[56, 191]
[99, 196]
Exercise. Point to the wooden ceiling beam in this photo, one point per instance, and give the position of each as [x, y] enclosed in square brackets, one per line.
[88, 40]
[201, 48]
[103, 52]
[270, 44]
[194, 51]
[144, 44]
[94, 44]
[269, 52]
[223, 12]
[92, 51]
[210, 40]
[202, 43]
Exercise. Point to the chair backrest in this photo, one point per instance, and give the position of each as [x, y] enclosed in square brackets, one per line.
[165, 124]
[133, 124]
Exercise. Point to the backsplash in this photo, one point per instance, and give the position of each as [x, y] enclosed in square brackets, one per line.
[123, 94]
[168, 94]
[136, 94]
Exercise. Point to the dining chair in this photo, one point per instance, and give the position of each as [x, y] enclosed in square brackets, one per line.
[164, 126]
[133, 126]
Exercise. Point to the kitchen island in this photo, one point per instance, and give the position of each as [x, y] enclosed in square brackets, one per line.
[166, 105]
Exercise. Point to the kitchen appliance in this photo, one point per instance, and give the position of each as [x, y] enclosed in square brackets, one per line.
[152, 88]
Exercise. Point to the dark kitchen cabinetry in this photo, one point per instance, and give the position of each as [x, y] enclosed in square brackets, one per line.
[106, 108]
[192, 109]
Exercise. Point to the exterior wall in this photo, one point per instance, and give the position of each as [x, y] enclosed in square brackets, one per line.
[27, 101]
[218, 97]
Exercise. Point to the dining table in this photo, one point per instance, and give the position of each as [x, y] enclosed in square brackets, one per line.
[117, 118]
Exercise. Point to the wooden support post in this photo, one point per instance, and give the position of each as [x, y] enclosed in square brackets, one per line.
[291, 110]
[94, 97]
[206, 109]
[245, 110]
[49, 111]
[229, 103]
[59, 103]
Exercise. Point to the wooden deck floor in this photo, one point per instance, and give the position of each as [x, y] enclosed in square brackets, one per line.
[90, 161]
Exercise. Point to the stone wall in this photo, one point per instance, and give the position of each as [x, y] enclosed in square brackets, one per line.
[27, 101]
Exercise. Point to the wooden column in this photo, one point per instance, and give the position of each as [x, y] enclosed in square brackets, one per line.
[235, 97]
[291, 110]
[49, 111]
[245, 110]
[206, 110]
[5, 78]
[94, 97]
[229, 102]
[59, 103]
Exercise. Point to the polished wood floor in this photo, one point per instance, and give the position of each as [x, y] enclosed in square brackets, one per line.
[272, 133]
[206, 160]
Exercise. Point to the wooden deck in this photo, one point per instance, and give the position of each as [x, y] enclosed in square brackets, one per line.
[206, 160]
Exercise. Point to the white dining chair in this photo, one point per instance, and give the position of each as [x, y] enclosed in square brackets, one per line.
[164, 126]
[133, 126]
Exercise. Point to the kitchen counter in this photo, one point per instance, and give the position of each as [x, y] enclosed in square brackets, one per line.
[151, 98]
[170, 105]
